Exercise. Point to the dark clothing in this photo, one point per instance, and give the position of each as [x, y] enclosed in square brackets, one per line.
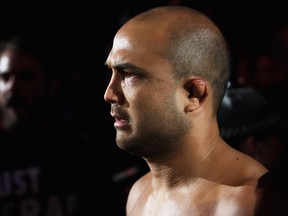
[274, 200]
[50, 174]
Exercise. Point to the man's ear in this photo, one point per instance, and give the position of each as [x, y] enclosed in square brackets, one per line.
[197, 92]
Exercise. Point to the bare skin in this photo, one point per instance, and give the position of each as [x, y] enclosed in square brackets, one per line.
[172, 124]
[215, 193]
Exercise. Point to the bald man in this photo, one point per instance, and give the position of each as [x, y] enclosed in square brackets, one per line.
[170, 67]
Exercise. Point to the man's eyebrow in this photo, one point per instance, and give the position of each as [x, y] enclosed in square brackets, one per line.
[124, 66]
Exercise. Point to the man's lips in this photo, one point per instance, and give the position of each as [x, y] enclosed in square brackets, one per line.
[119, 121]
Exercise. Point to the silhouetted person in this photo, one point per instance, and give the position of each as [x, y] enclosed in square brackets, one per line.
[249, 123]
[46, 165]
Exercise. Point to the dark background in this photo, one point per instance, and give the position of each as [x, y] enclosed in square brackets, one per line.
[86, 30]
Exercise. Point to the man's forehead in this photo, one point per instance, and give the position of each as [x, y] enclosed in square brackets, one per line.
[122, 42]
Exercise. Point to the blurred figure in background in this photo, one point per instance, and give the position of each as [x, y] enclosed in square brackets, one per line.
[249, 123]
[46, 165]
[30, 86]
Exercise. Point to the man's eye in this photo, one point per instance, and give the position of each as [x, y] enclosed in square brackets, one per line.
[127, 74]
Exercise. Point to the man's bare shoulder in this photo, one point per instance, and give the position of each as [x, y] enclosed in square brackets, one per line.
[140, 186]
[204, 197]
